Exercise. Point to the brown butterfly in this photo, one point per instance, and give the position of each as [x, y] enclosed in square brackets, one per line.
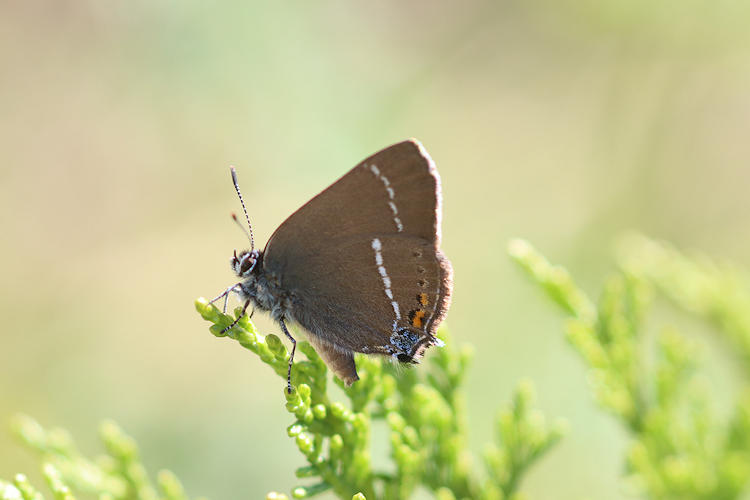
[358, 266]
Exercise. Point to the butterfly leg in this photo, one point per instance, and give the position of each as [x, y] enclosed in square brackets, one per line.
[291, 356]
[225, 295]
[234, 323]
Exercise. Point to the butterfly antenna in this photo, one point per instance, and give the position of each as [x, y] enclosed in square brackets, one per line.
[242, 202]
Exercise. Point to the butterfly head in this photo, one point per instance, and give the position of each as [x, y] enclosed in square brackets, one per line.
[244, 263]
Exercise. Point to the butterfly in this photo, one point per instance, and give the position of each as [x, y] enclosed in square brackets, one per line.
[359, 266]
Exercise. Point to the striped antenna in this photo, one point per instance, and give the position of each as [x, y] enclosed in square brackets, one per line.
[242, 202]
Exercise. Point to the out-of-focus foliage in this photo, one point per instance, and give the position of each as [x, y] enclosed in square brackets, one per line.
[118, 474]
[680, 447]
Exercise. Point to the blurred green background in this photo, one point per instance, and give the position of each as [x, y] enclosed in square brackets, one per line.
[565, 122]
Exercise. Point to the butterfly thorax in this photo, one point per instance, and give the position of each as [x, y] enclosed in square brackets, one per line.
[256, 286]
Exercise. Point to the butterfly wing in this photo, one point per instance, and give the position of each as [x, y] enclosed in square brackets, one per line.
[361, 263]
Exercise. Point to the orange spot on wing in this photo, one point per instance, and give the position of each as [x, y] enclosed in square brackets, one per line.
[422, 297]
[418, 318]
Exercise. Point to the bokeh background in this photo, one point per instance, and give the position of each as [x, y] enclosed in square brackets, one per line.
[564, 122]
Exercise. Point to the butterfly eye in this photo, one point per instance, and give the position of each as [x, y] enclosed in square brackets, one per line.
[241, 263]
[244, 263]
